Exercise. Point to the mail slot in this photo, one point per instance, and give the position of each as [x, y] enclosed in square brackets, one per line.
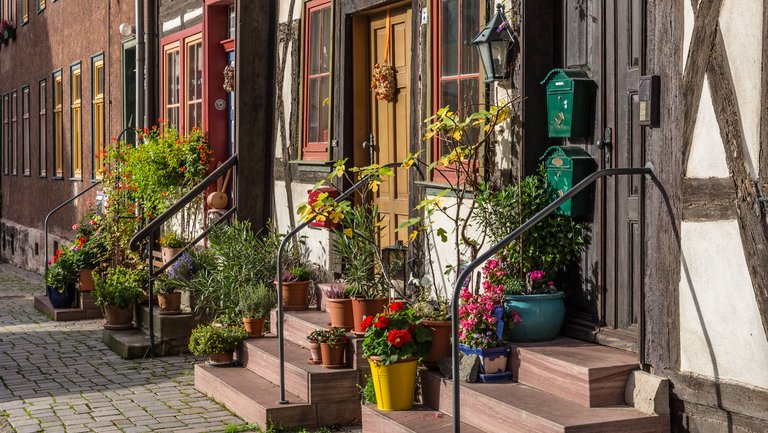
[567, 166]
[569, 94]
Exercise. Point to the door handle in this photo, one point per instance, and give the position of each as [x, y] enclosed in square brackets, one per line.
[604, 143]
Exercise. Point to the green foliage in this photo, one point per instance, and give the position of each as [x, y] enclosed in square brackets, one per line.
[211, 339]
[335, 337]
[257, 299]
[315, 336]
[118, 286]
[298, 273]
[171, 239]
[368, 392]
[62, 271]
[549, 246]
[395, 335]
[164, 285]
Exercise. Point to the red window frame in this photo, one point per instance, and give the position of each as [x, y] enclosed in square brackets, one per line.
[313, 151]
[450, 173]
[183, 39]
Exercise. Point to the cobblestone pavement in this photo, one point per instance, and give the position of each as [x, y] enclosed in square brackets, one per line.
[60, 377]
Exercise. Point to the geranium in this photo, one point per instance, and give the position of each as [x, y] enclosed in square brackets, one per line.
[538, 283]
[396, 335]
[367, 321]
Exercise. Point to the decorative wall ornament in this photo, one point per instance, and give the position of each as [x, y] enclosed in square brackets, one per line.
[383, 80]
[229, 78]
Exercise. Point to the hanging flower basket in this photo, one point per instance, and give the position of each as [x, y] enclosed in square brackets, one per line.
[229, 79]
[383, 82]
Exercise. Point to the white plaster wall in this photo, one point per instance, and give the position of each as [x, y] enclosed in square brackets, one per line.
[721, 334]
[707, 158]
[741, 22]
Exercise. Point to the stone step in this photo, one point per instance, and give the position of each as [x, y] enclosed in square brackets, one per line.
[334, 390]
[253, 398]
[128, 344]
[298, 324]
[86, 308]
[420, 419]
[171, 331]
[498, 406]
[586, 373]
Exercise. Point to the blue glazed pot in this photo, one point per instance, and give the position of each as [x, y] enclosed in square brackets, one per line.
[493, 360]
[63, 299]
[542, 315]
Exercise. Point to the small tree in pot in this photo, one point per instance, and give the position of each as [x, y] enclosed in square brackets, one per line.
[117, 291]
[256, 301]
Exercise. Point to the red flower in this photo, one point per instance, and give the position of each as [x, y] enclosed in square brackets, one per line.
[399, 337]
[367, 321]
[382, 322]
[396, 306]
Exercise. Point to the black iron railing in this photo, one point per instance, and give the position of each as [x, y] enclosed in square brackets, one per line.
[149, 232]
[467, 271]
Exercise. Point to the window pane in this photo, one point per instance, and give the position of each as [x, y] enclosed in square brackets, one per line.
[470, 27]
[313, 108]
[325, 88]
[470, 99]
[449, 96]
[449, 29]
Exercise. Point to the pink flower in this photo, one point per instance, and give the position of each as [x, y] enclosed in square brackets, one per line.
[74, 227]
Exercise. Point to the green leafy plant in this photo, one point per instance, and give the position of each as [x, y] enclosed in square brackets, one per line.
[171, 239]
[395, 335]
[335, 337]
[296, 274]
[257, 299]
[118, 286]
[315, 336]
[212, 339]
[368, 392]
[62, 269]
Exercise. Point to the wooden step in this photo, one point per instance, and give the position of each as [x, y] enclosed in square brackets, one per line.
[252, 397]
[420, 419]
[335, 391]
[586, 373]
[298, 324]
[517, 407]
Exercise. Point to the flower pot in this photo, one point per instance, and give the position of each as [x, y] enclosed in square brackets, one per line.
[322, 294]
[441, 342]
[169, 253]
[395, 384]
[295, 295]
[170, 303]
[332, 357]
[63, 299]
[254, 326]
[117, 318]
[314, 350]
[86, 280]
[362, 307]
[220, 359]
[340, 312]
[312, 198]
[493, 362]
[542, 315]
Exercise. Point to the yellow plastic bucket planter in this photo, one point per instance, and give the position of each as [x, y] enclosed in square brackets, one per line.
[395, 384]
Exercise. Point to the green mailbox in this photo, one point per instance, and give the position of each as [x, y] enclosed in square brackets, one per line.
[567, 166]
[569, 94]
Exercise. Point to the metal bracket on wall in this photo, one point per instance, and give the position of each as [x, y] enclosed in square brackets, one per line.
[605, 143]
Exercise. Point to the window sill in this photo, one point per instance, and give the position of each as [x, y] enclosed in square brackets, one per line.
[58, 178]
[435, 188]
[76, 179]
[313, 166]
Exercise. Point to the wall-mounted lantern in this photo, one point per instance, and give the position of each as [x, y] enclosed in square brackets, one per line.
[494, 45]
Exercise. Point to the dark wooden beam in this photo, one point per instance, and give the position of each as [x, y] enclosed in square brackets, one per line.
[256, 21]
[730, 396]
[764, 113]
[752, 225]
[711, 199]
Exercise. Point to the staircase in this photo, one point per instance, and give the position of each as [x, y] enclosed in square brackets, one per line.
[317, 396]
[85, 309]
[563, 385]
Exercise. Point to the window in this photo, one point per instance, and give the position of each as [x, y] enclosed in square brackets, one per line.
[58, 125]
[182, 83]
[458, 81]
[231, 21]
[25, 154]
[4, 134]
[194, 80]
[42, 127]
[76, 121]
[40, 5]
[14, 135]
[24, 11]
[8, 11]
[97, 116]
[171, 79]
[317, 80]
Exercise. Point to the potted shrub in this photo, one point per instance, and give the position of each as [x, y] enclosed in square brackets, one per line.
[435, 313]
[171, 243]
[333, 343]
[339, 307]
[117, 291]
[216, 342]
[168, 296]
[296, 283]
[314, 338]
[527, 268]
[60, 278]
[256, 301]
[394, 342]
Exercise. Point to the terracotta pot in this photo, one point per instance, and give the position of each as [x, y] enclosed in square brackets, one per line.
[441, 342]
[295, 295]
[168, 253]
[254, 326]
[362, 307]
[169, 302]
[340, 312]
[118, 318]
[314, 350]
[86, 280]
[332, 357]
[220, 358]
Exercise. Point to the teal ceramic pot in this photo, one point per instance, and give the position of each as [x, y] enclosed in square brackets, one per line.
[542, 316]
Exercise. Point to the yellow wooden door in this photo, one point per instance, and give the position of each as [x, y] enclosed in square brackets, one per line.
[390, 121]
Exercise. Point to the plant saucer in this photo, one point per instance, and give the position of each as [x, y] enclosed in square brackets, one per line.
[314, 362]
[334, 366]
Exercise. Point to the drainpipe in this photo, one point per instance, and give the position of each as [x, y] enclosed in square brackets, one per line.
[151, 62]
[140, 64]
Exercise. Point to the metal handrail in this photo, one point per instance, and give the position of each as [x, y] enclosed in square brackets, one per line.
[56, 209]
[467, 271]
[281, 346]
